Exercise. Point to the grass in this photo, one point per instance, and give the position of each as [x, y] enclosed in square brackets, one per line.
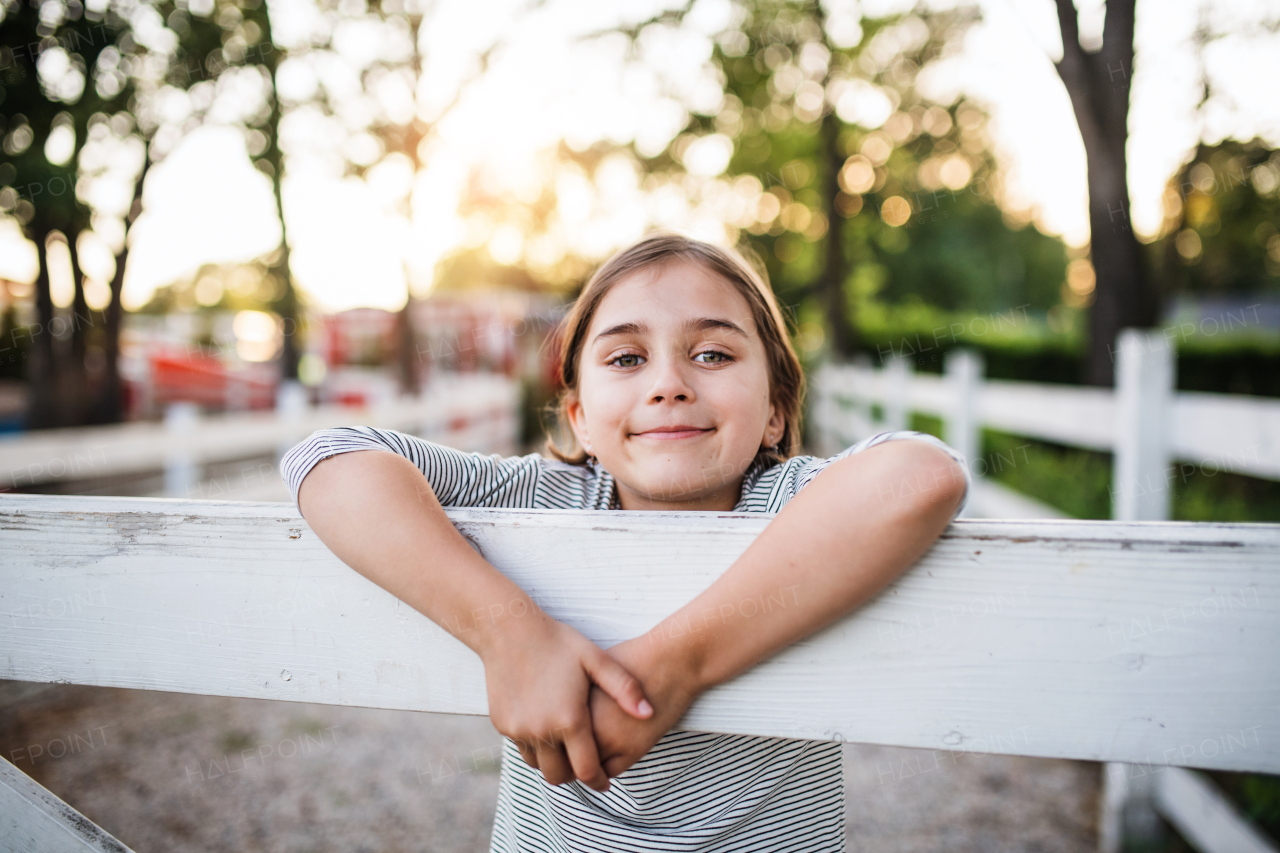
[1078, 481]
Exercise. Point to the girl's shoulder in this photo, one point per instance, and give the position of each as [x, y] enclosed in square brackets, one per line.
[770, 486]
[558, 466]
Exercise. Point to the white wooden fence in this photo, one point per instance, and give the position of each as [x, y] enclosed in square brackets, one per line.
[471, 412]
[1156, 436]
[1154, 644]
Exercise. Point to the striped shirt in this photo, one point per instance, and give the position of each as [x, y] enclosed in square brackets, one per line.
[693, 791]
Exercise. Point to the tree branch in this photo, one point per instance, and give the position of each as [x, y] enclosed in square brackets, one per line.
[1073, 69]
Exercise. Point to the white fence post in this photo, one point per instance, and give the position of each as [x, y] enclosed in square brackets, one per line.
[291, 405]
[964, 369]
[180, 465]
[1139, 492]
[1128, 806]
[824, 410]
[1144, 395]
[897, 390]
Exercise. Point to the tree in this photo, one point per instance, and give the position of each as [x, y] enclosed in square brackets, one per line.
[863, 192]
[59, 64]
[395, 124]
[72, 71]
[1099, 84]
[216, 38]
[273, 163]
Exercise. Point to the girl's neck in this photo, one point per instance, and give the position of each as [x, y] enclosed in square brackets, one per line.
[723, 499]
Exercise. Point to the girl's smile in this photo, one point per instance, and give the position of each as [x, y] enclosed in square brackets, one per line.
[674, 432]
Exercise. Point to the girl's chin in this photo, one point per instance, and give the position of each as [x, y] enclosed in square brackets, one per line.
[664, 472]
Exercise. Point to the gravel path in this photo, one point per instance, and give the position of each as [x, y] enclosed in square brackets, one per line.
[172, 772]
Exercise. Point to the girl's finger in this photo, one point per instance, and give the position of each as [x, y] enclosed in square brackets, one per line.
[581, 748]
[527, 753]
[616, 766]
[554, 763]
[614, 679]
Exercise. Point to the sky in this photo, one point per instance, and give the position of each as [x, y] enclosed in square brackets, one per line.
[369, 242]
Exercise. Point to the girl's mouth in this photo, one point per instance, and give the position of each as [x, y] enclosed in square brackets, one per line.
[672, 433]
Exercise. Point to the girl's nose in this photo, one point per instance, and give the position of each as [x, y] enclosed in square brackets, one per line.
[670, 381]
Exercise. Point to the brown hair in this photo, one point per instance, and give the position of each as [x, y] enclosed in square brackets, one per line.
[786, 378]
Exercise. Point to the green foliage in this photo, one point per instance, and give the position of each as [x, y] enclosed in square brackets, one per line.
[1204, 493]
[964, 258]
[84, 44]
[930, 424]
[1074, 480]
[1222, 222]
[1078, 481]
[1023, 345]
[948, 245]
[1227, 367]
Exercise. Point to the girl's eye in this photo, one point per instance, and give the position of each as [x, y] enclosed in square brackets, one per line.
[628, 355]
[722, 357]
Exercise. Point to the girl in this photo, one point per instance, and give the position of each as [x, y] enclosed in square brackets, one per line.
[683, 393]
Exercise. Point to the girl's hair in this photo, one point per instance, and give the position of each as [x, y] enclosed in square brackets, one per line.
[786, 378]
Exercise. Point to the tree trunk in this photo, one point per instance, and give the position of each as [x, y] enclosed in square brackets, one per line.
[1098, 84]
[74, 402]
[840, 319]
[42, 373]
[409, 360]
[844, 336]
[407, 350]
[108, 404]
[287, 304]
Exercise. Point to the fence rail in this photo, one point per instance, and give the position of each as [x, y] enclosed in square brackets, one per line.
[1151, 643]
[472, 412]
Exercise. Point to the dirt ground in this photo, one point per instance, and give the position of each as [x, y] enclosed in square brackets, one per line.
[167, 772]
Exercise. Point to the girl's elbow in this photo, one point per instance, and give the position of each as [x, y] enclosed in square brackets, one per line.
[948, 484]
[939, 477]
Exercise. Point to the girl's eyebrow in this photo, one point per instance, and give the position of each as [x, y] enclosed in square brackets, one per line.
[701, 324]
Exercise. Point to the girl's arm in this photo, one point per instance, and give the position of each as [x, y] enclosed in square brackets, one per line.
[860, 523]
[377, 512]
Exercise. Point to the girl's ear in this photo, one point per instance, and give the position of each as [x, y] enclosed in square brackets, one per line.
[578, 423]
[774, 428]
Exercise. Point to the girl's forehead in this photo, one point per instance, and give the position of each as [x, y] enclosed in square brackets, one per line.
[678, 289]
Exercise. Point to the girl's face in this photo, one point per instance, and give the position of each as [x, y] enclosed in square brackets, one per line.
[673, 390]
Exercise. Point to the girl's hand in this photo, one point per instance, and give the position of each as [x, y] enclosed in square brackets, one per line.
[539, 674]
[623, 740]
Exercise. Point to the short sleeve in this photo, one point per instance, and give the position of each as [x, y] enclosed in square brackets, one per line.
[458, 478]
[808, 472]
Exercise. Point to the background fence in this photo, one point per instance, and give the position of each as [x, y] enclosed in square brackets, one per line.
[471, 412]
[1149, 427]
